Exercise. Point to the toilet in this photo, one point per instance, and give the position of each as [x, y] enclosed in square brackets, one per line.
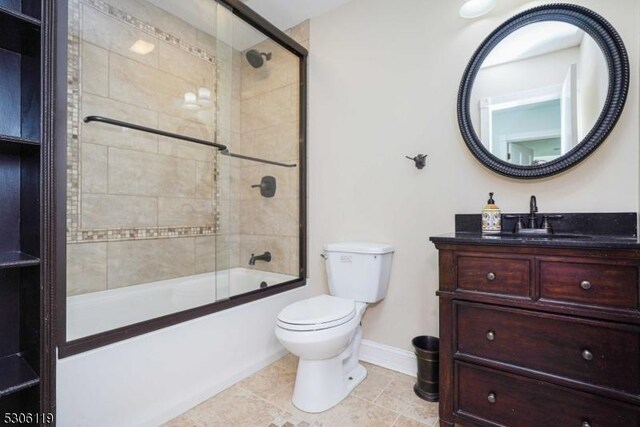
[325, 331]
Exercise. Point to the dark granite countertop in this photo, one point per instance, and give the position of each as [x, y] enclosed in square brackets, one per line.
[579, 241]
[575, 230]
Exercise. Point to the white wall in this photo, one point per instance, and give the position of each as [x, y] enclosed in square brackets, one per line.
[383, 80]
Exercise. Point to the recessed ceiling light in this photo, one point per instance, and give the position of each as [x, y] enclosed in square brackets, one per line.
[142, 47]
[476, 8]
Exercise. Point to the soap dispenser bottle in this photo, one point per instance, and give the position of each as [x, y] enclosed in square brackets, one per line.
[491, 220]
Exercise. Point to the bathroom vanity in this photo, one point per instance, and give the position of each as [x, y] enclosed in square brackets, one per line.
[540, 330]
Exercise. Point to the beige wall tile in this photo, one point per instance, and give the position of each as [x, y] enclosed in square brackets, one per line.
[156, 16]
[94, 168]
[279, 143]
[86, 268]
[280, 253]
[245, 216]
[300, 32]
[270, 109]
[142, 261]
[206, 254]
[147, 174]
[147, 87]
[177, 212]
[282, 70]
[114, 136]
[276, 217]
[190, 150]
[110, 34]
[106, 211]
[95, 69]
[206, 42]
[187, 66]
[205, 180]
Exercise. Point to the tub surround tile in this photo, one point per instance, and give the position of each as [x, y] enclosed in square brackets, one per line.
[269, 109]
[117, 211]
[185, 65]
[180, 211]
[115, 36]
[148, 174]
[144, 261]
[206, 254]
[86, 268]
[94, 168]
[114, 136]
[95, 69]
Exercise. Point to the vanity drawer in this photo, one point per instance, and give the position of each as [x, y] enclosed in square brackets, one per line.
[510, 400]
[592, 352]
[605, 285]
[505, 276]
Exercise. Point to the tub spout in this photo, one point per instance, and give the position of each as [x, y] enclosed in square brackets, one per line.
[266, 257]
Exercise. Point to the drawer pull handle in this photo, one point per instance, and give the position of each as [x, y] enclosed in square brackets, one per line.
[585, 284]
[492, 398]
[587, 355]
[586, 424]
[491, 335]
[491, 276]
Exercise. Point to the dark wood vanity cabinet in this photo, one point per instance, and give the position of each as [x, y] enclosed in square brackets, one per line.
[539, 336]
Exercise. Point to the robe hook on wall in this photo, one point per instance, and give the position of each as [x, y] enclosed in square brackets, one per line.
[420, 160]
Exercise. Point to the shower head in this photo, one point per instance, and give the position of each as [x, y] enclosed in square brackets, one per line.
[256, 59]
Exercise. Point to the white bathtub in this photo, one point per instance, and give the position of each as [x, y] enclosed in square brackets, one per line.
[97, 312]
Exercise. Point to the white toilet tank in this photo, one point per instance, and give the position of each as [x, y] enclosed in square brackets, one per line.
[358, 271]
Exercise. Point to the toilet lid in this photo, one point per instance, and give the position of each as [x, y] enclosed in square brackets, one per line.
[315, 313]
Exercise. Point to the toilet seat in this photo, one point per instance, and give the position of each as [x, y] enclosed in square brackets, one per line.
[317, 313]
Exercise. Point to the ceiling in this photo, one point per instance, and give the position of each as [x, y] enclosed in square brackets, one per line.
[284, 14]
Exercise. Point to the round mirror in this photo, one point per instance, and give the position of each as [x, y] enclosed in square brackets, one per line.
[543, 91]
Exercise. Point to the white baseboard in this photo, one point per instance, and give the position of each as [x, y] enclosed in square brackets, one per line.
[389, 357]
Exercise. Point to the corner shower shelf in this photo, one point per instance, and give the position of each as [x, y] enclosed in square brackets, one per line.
[17, 259]
[16, 375]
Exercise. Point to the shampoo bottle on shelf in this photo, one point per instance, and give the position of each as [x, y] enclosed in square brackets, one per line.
[491, 220]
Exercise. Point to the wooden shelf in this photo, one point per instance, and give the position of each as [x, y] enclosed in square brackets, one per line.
[16, 375]
[14, 14]
[17, 259]
[17, 145]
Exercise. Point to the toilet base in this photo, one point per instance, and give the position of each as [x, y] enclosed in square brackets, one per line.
[315, 392]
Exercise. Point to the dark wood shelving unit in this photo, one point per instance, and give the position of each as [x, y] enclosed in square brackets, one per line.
[17, 260]
[16, 375]
[25, 364]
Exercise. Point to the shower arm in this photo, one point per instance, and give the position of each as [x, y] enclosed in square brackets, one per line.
[114, 122]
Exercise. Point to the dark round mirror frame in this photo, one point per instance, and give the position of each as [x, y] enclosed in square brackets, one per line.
[618, 63]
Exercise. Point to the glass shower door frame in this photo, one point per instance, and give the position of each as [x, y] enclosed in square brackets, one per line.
[56, 228]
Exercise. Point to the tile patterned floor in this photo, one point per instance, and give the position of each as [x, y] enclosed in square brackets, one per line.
[385, 398]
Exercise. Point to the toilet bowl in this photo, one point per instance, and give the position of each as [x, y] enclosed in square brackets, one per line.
[325, 331]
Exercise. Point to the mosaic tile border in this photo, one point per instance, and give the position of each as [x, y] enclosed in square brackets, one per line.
[74, 232]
